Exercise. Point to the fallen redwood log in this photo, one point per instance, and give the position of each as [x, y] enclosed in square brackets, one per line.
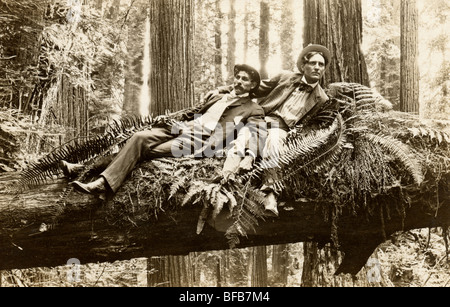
[352, 176]
[37, 231]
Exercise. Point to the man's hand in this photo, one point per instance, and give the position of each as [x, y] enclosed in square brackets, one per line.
[210, 94]
[246, 163]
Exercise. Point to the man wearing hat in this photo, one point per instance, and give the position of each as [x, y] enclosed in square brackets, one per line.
[289, 99]
[207, 130]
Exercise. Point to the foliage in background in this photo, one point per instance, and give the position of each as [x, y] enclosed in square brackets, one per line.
[381, 39]
[434, 59]
[21, 23]
[72, 45]
[381, 43]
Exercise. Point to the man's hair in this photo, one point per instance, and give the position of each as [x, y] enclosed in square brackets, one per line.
[309, 55]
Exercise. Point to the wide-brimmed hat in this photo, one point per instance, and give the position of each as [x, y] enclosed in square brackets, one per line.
[253, 73]
[314, 48]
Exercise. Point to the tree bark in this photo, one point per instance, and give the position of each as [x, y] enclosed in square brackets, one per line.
[409, 48]
[231, 48]
[287, 35]
[264, 43]
[246, 26]
[36, 230]
[218, 58]
[171, 51]
[135, 56]
[280, 263]
[338, 26]
[259, 266]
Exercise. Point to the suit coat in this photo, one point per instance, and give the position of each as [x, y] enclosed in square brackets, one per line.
[274, 92]
[160, 141]
[243, 112]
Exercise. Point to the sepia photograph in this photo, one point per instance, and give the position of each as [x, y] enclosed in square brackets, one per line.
[224, 150]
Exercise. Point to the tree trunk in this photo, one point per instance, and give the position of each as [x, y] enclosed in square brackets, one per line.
[71, 109]
[409, 69]
[135, 56]
[246, 24]
[231, 49]
[321, 263]
[171, 51]
[280, 263]
[264, 43]
[287, 35]
[338, 26]
[169, 271]
[218, 58]
[259, 266]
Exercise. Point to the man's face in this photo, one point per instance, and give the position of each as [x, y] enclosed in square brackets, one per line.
[314, 69]
[243, 83]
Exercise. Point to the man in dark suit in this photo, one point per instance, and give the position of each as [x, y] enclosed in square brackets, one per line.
[204, 134]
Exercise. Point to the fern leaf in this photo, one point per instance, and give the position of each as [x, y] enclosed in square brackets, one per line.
[195, 189]
[221, 200]
[401, 152]
[314, 152]
[175, 187]
[202, 219]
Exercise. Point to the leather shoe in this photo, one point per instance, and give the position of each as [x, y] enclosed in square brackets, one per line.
[70, 170]
[96, 187]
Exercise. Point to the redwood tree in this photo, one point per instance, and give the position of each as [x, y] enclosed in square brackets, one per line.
[171, 52]
[231, 48]
[409, 69]
[264, 46]
[287, 35]
[337, 25]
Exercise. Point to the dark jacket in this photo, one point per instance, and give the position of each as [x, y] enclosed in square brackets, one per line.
[273, 92]
[243, 112]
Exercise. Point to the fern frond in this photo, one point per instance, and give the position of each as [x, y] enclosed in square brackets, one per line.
[400, 151]
[115, 136]
[202, 219]
[221, 200]
[195, 189]
[311, 153]
[431, 133]
[177, 185]
[246, 213]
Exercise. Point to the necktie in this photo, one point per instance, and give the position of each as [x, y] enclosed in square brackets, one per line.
[302, 86]
[211, 117]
